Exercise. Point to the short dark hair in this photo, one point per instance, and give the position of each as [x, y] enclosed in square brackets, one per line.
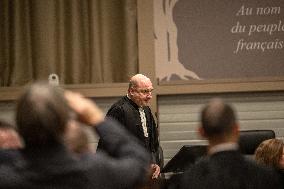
[217, 118]
[42, 114]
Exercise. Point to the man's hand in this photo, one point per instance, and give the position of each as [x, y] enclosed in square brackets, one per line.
[155, 170]
[86, 109]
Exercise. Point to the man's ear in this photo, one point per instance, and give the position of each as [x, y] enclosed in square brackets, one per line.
[236, 129]
[130, 91]
[201, 131]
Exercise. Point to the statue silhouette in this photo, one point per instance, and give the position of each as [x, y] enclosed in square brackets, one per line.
[167, 62]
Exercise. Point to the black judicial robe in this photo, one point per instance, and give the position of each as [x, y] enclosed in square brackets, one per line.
[127, 113]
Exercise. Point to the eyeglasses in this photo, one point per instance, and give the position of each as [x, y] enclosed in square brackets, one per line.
[144, 91]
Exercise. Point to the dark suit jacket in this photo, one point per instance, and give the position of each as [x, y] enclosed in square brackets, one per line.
[126, 112]
[229, 170]
[281, 176]
[9, 156]
[54, 167]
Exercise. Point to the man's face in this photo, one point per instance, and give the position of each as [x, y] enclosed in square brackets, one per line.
[142, 93]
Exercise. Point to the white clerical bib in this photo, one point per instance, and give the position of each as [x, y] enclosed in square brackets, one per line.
[143, 121]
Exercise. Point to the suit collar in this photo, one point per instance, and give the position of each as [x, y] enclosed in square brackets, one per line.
[223, 147]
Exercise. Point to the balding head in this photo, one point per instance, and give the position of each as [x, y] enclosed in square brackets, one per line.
[218, 119]
[140, 89]
[42, 114]
[137, 80]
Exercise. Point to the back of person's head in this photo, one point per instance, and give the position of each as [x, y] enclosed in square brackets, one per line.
[41, 115]
[9, 138]
[217, 118]
[269, 153]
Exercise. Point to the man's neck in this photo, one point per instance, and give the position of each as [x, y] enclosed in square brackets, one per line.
[226, 146]
[128, 96]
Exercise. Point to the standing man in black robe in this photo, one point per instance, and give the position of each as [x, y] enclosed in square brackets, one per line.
[133, 112]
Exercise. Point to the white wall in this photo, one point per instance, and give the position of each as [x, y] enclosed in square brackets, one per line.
[179, 116]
